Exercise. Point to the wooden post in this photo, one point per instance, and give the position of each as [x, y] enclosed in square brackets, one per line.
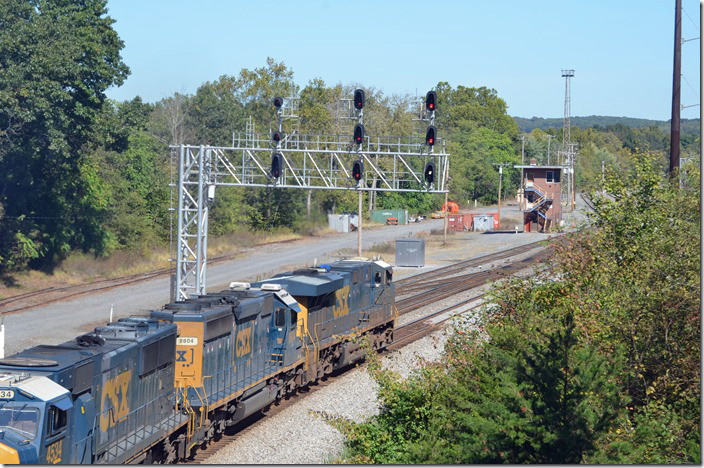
[444, 234]
[501, 173]
[359, 226]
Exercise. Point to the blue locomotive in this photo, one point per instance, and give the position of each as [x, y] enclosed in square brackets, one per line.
[101, 398]
[148, 389]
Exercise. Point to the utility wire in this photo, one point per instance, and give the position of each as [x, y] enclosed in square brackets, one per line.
[690, 86]
[690, 18]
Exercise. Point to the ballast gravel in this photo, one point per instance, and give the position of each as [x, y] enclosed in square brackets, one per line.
[299, 435]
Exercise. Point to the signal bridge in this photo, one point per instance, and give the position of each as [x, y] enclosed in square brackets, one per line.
[328, 162]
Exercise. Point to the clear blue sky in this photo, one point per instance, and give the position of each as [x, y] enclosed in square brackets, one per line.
[621, 51]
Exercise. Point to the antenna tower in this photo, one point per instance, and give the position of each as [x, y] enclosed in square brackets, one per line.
[567, 146]
[567, 74]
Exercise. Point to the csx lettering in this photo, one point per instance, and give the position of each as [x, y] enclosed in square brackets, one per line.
[342, 305]
[53, 453]
[244, 342]
[115, 390]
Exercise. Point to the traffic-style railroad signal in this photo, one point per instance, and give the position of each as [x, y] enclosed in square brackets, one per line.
[431, 135]
[278, 102]
[359, 99]
[276, 164]
[359, 134]
[431, 101]
[429, 172]
[277, 136]
[358, 170]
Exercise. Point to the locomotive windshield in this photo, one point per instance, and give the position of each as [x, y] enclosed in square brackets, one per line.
[20, 418]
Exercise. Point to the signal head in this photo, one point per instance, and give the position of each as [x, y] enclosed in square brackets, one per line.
[276, 165]
[431, 101]
[429, 172]
[358, 170]
[359, 99]
[277, 136]
[431, 135]
[278, 102]
[359, 134]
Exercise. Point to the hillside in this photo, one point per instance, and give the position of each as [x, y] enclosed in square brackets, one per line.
[526, 125]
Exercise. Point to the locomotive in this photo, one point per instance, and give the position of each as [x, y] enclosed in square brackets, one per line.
[153, 388]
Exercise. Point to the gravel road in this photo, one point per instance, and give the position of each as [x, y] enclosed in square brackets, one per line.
[62, 321]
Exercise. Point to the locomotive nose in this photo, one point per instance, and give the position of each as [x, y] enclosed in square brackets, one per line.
[8, 455]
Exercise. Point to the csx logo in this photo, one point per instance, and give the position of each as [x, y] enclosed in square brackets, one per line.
[244, 342]
[115, 403]
[53, 453]
[342, 303]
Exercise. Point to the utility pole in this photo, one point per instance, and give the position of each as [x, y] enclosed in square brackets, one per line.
[523, 162]
[501, 174]
[676, 77]
[549, 138]
[359, 225]
[603, 190]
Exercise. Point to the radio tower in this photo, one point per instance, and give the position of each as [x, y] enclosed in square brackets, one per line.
[566, 142]
[567, 74]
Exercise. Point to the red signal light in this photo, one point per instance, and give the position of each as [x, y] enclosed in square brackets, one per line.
[359, 99]
[430, 135]
[430, 100]
[358, 134]
[357, 170]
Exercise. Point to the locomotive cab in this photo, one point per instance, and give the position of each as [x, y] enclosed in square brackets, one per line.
[34, 416]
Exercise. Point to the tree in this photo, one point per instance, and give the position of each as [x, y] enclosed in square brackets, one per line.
[56, 60]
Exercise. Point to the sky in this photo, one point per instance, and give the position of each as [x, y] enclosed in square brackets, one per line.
[621, 51]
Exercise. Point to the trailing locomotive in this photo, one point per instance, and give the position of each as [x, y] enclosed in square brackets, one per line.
[148, 389]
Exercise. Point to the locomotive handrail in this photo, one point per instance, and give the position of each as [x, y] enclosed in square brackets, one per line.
[123, 434]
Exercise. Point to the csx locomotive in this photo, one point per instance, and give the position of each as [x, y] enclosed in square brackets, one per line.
[153, 388]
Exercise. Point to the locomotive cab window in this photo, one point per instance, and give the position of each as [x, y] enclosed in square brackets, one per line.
[280, 318]
[388, 278]
[377, 278]
[57, 420]
[294, 317]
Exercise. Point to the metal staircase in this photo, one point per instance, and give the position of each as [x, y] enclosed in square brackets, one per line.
[541, 204]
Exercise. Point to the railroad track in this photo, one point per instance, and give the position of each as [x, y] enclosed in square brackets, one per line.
[587, 200]
[444, 288]
[404, 334]
[423, 326]
[458, 267]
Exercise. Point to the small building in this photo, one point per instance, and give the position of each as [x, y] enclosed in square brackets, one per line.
[542, 194]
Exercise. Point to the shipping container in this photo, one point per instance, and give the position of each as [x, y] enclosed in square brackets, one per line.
[380, 216]
[343, 222]
[459, 222]
[483, 222]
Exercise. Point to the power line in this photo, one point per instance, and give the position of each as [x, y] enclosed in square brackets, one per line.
[690, 18]
[690, 86]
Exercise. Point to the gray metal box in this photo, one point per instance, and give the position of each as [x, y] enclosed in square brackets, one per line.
[410, 252]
